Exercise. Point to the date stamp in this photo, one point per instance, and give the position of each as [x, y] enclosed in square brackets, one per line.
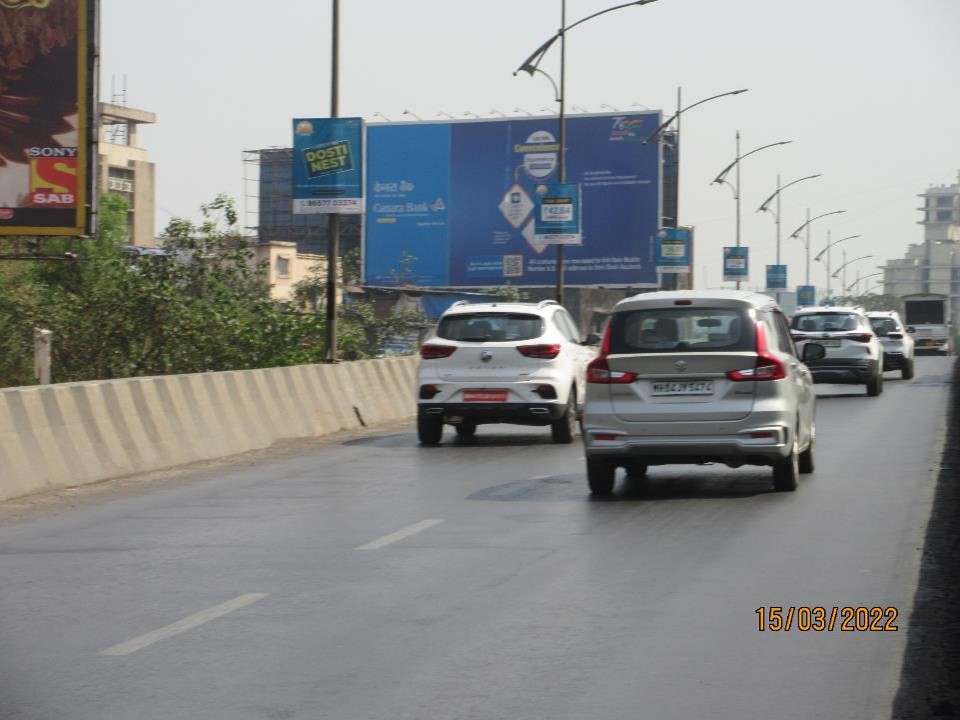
[820, 618]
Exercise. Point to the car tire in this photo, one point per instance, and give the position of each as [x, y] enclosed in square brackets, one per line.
[806, 462]
[601, 473]
[906, 372]
[635, 468]
[466, 429]
[564, 429]
[786, 472]
[875, 385]
[429, 429]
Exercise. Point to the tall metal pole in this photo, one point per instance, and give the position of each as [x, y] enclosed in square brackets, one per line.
[808, 247]
[737, 195]
[844, 269]
[828, 263]
[563, 150]
[333, 227]
[778, 232]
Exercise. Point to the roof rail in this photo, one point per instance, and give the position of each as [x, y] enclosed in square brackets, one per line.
[458, 303]
[544, 303]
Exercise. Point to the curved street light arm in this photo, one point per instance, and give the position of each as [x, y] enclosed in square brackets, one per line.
[530, 64]
[719, 178]
[655, 135]
[830, 245]
[837, 271]
[763, 205]
[797, 231]
[556, 90]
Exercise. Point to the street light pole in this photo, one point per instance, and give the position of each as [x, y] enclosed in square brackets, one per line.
[764, 207]
[530, 65]
[333, 226]
[720, 179]
[826, 251]
[796, 232]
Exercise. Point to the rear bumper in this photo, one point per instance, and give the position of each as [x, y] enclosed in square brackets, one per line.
[894, 361]
[843, 371]
[519, 413]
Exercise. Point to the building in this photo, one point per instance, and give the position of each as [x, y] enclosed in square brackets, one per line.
[286, 267]
[125, 170]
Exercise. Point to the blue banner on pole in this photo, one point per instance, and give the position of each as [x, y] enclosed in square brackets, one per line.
[806, 295]
[327, 165]
[556, 214]
[776, 277]
[736, 264]
[673, 250]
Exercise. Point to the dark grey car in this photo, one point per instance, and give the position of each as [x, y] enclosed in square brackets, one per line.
[695, 377]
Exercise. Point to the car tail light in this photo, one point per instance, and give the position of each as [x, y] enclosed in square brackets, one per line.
[541, 352]
[427, 392]
[682, 302]
[432, 352]
[768, 365]
[598, 371]
[860, 337]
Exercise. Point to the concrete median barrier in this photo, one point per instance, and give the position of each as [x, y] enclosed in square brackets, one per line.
[57, 436]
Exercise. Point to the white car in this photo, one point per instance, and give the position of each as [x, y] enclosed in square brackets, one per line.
[854, 355]
[897, 343]
[520, 363]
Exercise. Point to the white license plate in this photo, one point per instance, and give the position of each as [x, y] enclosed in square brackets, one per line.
[828, 343]
[698, 387]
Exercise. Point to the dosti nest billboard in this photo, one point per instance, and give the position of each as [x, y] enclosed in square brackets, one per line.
[47, 121]
[451, 204]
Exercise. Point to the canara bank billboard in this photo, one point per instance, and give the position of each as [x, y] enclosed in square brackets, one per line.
[451, 204]
[47, 121]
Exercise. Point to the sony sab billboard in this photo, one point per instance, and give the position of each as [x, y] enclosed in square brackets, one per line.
[452, 204]
[47, 101]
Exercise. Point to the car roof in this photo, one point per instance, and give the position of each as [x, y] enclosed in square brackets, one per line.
[463, 307]
[883, 313]
[724, 298]
[828, 309]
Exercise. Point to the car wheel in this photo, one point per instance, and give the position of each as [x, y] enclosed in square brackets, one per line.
[466, 429]
[564, 429]
[429, 429]
[600, 475]
[907, 371]
[786, 472]
[875, 385]
[635, 468]
[806, 463]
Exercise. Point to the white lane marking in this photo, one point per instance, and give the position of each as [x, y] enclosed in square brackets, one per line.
[539, 477]
[399, 535]
[181, 626]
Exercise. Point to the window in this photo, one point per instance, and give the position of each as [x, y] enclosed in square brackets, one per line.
[944, 201]
[567, 326]
[944, 215]
[662, 330]
[784, 338]
[283, 266]
[826, 322]
[483, 327]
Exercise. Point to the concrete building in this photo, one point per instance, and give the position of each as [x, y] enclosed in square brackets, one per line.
[286, 267]
[124, 168]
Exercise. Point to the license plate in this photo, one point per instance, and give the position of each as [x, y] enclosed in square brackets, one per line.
[484, 395]
[699, 387]
[828, 343]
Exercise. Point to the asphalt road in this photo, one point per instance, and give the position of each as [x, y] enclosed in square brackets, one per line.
[369, 578]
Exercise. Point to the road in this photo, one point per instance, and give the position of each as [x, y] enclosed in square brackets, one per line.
[368, 578]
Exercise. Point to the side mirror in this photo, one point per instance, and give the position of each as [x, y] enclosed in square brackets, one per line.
[591, 339]
[895, 335]
[911, 329]
[813, 351]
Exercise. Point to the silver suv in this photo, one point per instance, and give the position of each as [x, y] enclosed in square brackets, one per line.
[520, 363]
[853, 354]
[697, 377]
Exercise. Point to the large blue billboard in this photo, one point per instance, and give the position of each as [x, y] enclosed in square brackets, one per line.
[452, 204]
[327, 165]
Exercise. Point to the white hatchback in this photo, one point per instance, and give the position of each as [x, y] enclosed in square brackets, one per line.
[897, 343]
[519, 363]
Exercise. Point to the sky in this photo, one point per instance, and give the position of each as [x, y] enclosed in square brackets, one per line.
[866, 92]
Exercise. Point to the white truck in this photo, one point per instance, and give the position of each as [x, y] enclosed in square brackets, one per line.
[927, 317]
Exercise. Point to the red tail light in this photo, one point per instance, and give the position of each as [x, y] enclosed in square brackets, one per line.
[432, 352]
[860, 337]
[598, 371]
[767, 367]
[541, 352]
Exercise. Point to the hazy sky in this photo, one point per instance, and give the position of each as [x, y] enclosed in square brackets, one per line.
[867, 92]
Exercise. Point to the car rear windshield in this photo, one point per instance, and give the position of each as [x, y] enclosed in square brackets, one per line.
[664, 330]
[826, 322]
[883, 325]
[484, 327]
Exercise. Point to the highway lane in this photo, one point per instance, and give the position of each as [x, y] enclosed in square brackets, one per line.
[366, 577]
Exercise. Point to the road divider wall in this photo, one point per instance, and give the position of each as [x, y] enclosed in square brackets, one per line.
[58, 436]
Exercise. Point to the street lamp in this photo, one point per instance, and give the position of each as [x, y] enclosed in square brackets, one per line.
[412, 114]
[445, 114]
[470, 113]
[720, 179]
[807, 241]
[610, 107]
[765, 207]
[502, 114]
[859, 278]
[546, 109]
[579, 109]
[521, 110]
[531, 65]
[827, 251]
[849, 262]
[381, 115]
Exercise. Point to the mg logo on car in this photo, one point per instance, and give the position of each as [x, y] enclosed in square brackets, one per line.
[486, 356]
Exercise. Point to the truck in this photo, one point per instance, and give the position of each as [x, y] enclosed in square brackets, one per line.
[927, 317]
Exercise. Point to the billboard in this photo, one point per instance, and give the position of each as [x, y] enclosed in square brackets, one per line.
[556, 213]
[776, 277]
[806, 295]
[47, 116]
[327, 165]
[673, 250]
[736, 264]
[457, 201]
